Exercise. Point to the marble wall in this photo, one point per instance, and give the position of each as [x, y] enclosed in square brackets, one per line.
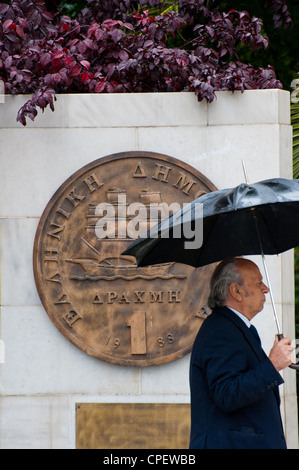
[43, 375]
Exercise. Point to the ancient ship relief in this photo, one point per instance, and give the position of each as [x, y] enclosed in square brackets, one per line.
[100, 256]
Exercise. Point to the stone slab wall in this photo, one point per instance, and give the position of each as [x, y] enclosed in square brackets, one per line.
[42, 375]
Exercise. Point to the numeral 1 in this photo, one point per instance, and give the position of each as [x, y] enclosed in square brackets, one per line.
[138, 333]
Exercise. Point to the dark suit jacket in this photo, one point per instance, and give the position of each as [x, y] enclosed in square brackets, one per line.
[234, 388]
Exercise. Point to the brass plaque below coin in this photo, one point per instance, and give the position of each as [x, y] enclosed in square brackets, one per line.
[100, 300]
[132, 426]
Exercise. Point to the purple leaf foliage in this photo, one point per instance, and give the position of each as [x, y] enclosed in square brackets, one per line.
[118, 46]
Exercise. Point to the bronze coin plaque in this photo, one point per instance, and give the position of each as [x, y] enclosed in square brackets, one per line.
[99, 299]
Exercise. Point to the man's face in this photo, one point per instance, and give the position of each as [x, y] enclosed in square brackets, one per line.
[254, 290]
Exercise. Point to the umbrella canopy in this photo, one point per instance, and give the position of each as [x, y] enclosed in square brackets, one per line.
[247, 220]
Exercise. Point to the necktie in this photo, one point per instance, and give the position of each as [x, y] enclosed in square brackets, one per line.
[255, 333]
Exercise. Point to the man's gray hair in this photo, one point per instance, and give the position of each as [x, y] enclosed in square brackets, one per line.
[226, 273]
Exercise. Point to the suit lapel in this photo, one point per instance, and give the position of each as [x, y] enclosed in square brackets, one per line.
[247, 333]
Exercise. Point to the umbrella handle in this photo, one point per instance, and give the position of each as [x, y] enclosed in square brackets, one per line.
[292, 366]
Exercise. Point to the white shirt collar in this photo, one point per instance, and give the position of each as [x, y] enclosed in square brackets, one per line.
[245, 319]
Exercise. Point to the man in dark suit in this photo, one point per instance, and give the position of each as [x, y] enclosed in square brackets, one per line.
[234, 384]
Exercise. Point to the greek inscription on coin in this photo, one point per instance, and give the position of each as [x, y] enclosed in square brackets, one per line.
[98, 298]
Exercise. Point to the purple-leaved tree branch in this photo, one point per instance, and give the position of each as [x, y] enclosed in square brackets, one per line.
[126, 47]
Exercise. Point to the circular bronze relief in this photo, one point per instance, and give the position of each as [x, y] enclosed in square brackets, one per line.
[100, 300]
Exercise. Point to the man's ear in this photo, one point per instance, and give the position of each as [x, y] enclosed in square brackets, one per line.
[235, 291]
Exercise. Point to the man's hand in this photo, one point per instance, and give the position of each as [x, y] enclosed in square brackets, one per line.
[281, 353]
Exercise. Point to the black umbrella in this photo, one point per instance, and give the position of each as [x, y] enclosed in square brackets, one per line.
[250, 219]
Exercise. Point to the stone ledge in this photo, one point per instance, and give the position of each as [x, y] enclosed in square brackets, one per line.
[153, 110]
